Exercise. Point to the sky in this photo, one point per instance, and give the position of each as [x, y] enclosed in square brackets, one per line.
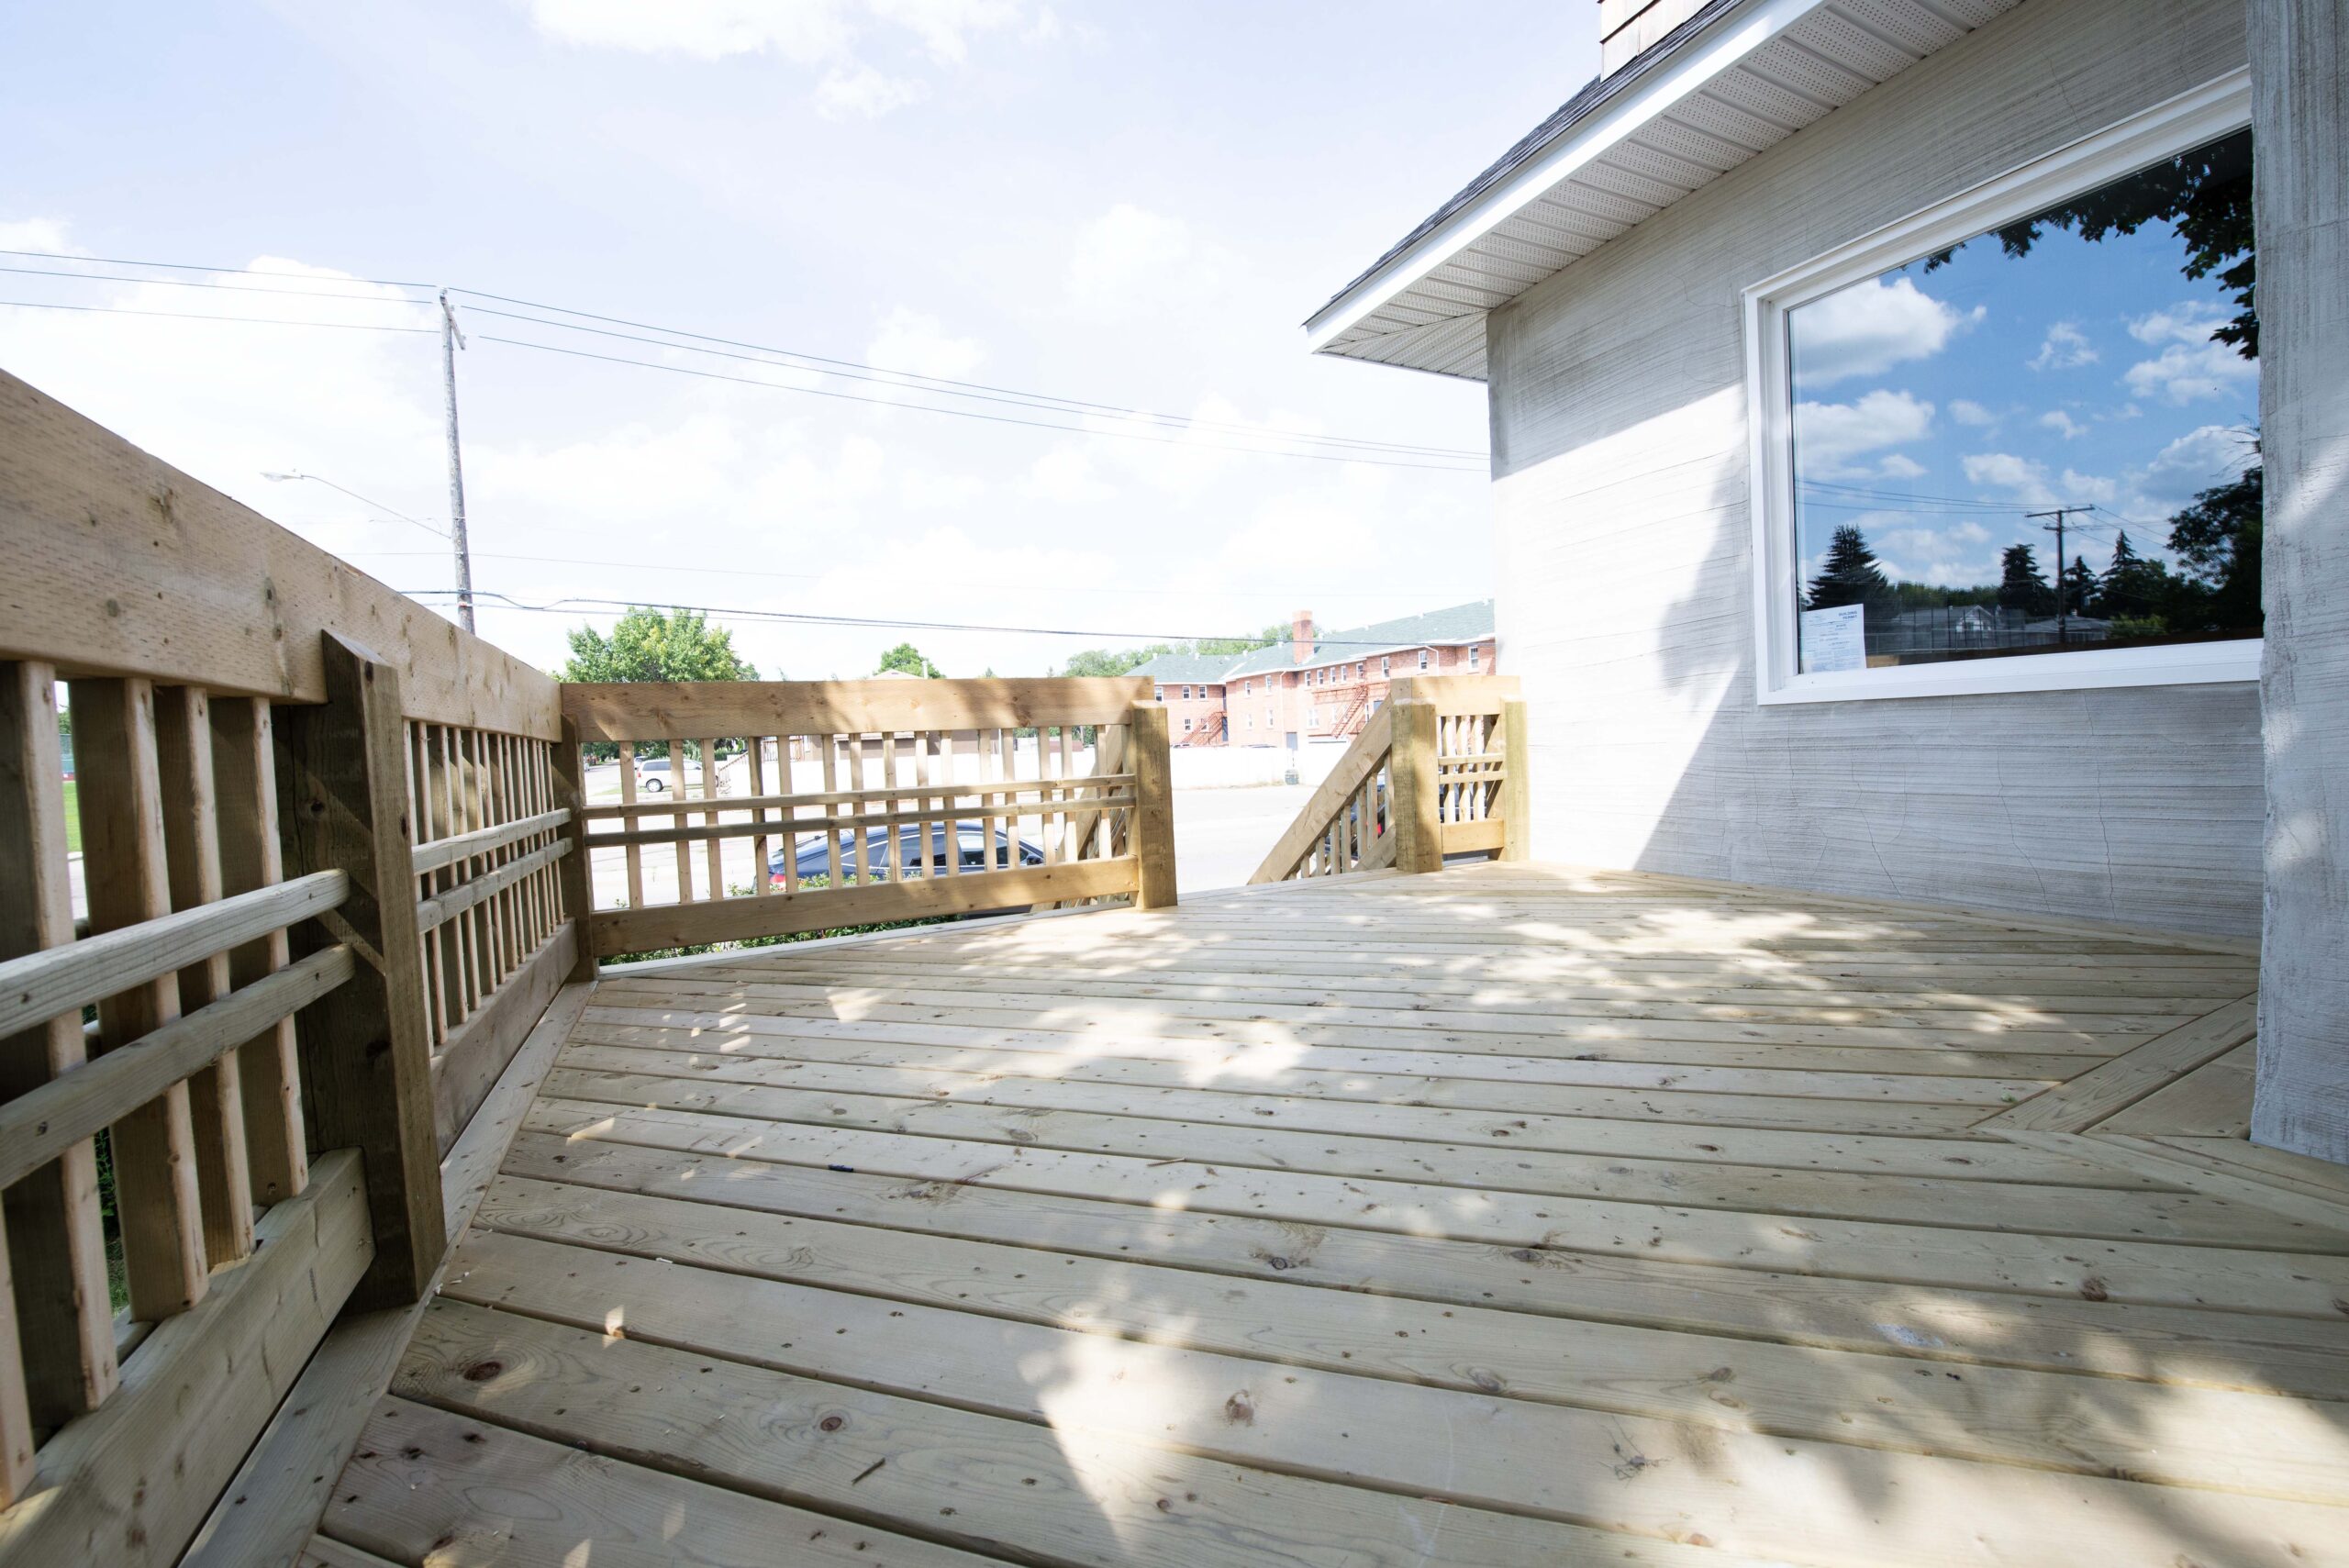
[1133, 206]
[1935, 409]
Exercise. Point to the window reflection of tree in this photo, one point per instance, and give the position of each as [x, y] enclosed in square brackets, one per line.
[2205, 196]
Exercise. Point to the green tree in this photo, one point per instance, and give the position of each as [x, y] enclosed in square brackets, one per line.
[2079, 586]
[646, 644]
[2217, 542]
[2205, 193]
[1850, 575]
[1113, 660]
[2021, 587]
[906, 658]
[2133, 589]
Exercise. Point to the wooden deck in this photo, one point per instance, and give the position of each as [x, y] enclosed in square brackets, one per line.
[1509, 1215]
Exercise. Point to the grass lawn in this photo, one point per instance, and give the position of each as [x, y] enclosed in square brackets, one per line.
[73, 817]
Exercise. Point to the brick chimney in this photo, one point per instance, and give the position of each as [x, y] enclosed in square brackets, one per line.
[1300, 636]
[1627, 26]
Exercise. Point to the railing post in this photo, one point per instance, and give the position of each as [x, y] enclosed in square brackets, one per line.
[1154, 831]
[1410, 770]
[578, 885]
[1517, 808]
[366, 1055]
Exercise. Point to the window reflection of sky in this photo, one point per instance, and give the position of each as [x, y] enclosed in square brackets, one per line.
[1933, 409]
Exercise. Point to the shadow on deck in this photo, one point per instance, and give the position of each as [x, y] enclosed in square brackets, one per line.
[1508, 1216]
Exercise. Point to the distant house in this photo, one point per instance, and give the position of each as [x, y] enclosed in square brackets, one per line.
[1316, 685]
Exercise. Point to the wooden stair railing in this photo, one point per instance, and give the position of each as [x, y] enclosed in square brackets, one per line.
[1440, 769]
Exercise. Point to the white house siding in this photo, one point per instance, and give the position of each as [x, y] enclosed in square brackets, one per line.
[1619, 458]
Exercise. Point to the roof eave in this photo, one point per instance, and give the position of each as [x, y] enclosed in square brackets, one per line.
[1678, 69]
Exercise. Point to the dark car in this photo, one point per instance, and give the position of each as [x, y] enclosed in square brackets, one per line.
[972, 839]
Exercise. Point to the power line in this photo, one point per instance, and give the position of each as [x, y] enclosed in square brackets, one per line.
[1279, 594]
[191, 267]
[576, 604]
[846, 369]
[202, 284]
[196, 316]
[964, 413]
[856, 370]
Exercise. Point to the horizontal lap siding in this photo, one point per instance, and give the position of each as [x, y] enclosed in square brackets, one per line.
[1626, 594]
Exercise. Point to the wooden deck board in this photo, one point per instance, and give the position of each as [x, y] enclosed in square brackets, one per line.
[1508, 1216]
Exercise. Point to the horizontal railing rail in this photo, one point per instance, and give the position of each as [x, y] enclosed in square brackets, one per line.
[791, 807]
[1438, 770]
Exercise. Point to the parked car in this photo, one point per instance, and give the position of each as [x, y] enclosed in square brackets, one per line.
[652, 776]
[971, 839]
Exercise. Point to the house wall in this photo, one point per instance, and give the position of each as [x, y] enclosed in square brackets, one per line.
[1191, 708]
[1320, 700]
[2300, 108]
[1619, 435]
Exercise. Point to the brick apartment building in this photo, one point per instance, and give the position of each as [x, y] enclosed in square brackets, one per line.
[1315, 686]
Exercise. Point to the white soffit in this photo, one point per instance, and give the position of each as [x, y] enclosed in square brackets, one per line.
[1714, 94]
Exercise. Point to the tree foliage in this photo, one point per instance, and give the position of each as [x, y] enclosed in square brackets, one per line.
[2205, 193]
[2021, 587]
[1850, 575]
[906, 659]
[646, 644]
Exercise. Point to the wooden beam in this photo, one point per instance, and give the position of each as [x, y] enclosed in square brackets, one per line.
[1416, 824]
[737, 919]
[366, 1055]
[128, 1484]
[1152, 839]
[56, 1241]
[1517, 788]
[120, 796]
[244, 768]
[576, 871]
[688, 710]
[126, 566]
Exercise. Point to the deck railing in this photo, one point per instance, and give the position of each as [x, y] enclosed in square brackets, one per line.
[1438, 770]
[299, 798]
[788, 807]
[335, 857]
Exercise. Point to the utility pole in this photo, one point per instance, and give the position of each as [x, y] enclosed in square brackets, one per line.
[2062, 602]
[450, 341]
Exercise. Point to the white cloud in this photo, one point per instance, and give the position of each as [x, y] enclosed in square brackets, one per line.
[38, 234]
[1066, 474]
[860, 92]
[1965, 411]
[2189, 321]
[1829, 434]
[1897, 465]
[1131, 262]
[803, 31]
[2185, 373]
[2026, 481]
[910, 342]
[2091, 487]
[2195, 462]
[2062, 424]
[2064, 348]
[1867, 329]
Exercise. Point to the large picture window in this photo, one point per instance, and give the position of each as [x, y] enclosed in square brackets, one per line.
[2012, 444]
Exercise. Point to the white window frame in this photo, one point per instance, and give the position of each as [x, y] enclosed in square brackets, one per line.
[2209, 112]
